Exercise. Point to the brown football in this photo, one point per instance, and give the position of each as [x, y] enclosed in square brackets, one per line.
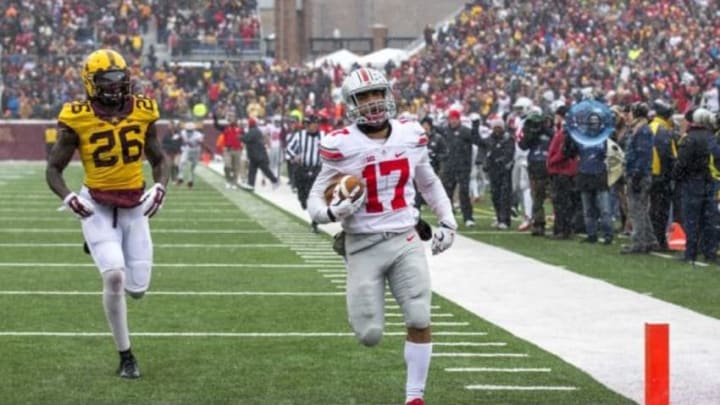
[347, 184]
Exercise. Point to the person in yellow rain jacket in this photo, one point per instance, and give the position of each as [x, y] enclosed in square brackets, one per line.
[663, 160]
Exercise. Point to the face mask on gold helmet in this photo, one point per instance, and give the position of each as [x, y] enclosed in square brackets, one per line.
[106, 77]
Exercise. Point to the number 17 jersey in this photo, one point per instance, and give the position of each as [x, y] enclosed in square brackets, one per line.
[387, 167]
[111, 149]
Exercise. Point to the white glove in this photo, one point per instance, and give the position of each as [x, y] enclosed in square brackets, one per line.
[152, 200]
[443, 238]
[81, 207]
[343, 208]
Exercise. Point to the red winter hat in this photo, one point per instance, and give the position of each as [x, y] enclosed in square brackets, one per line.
[252, 122]
[454, 114]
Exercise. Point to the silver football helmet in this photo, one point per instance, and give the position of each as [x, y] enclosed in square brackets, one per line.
[371, 113]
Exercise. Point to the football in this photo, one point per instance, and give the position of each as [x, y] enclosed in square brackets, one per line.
[346, 183]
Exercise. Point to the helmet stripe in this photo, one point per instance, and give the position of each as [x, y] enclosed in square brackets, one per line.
[111, 59]
[364, 76]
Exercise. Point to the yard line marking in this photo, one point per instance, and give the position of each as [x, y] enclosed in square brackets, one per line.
[451, 354]
[332, 270]
[208, 334]
[521, 387]
[170, 265]
[398, 306]
[154, 231]
[495, 369]
[67, 218]
[399, 315]
[162, 245]
[335, 275]
[51, 207]
[507, 232]
[433, 323]
[337, 281]
[469, 344]
[188, 293]
[318, 256]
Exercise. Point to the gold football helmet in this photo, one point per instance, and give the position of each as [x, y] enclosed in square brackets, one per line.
[106, 77]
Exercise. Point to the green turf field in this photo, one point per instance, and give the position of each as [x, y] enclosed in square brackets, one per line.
[246, 306]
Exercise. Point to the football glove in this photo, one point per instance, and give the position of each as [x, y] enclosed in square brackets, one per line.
[341, 208]
[152, 200]
[443, 238]
[81, 207]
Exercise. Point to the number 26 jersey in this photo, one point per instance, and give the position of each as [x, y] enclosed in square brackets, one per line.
[111, 149]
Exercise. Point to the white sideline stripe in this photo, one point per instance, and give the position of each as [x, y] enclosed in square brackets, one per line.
[335, 275]
[495, 369]
[332, 270]
[451, 354]
[666, 256]
[434, 323]
[161, 245]
[521, 387]
[468, 344]
[212, 334]
[186, 293]
[176, 265]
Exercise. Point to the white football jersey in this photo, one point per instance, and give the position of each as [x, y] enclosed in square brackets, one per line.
[388, 168]
[191, 139]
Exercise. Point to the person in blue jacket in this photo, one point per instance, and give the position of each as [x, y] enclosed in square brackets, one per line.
[638, 172]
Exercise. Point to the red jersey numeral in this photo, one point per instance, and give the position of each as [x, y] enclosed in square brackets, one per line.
[342, 131]
[370, 174]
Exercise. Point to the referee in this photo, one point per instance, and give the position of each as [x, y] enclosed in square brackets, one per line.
[303, 151]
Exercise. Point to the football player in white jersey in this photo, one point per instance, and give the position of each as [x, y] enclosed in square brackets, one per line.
[380, 240]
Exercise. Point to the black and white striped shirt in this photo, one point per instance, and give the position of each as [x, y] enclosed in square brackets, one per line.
[307, 146]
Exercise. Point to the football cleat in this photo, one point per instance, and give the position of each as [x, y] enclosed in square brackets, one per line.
[129, 368]
[416, 401]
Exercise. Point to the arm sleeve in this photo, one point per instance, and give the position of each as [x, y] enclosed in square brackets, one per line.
[433, 191]
[317, 207]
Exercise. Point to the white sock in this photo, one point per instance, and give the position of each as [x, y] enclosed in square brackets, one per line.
[417, 359]
[115, 307]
